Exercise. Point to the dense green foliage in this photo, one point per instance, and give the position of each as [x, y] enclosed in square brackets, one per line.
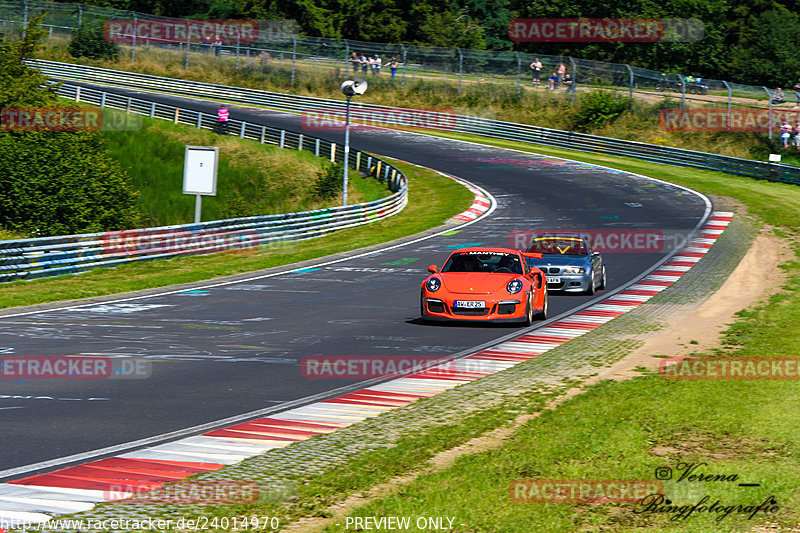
[89, 41]
[748, 41]
[329, 181]
[597, 109]
[54, 182]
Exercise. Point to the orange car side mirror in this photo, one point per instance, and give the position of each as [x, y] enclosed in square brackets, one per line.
[433, 269]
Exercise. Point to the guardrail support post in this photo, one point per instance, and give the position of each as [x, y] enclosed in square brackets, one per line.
[241, 130]
[358, 160]
[77, 95]
[769, 99]
[333, 153]
[103, 100]
[630, 82]
[128, 105]
[177, 115]
[300, 142]
[199, 120]
[730, 101]
[316, 148]
[283, 138]
[152, 109]
[264, 134]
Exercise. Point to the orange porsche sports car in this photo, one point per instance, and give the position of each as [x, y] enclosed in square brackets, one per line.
[493, 284]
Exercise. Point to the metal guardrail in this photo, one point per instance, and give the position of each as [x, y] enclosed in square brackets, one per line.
[400, 117]
[51, 256]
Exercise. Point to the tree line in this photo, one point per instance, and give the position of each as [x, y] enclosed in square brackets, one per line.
[749, 41]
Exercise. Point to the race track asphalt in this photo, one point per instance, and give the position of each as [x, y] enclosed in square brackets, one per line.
[231, 349]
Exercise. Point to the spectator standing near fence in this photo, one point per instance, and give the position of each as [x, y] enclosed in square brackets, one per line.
[561, 71]
[378, 64]
[786, 132]
[536, 67]
[223, 119]
[777, 96]
[354, 61]
[217, 45]
[797, 135]
[364, 62]
[393, 66]
[552, 81]
[567, 82]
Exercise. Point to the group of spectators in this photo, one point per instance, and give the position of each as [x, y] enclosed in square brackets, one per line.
[779, 98]
[558, 79]
[216, 44]
[786, 134]
[374, 63]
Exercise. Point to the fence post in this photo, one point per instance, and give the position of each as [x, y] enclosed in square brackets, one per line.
[238, 43]
[177, 114]
[77, 95]
[24, 17]
[80, 15]
[133, 41]
[152, 109]
[333, 153]
[519, 70]
[294, 54]
[128, 105]
[574, 80]
[283, 138]
[403, 79]
[188, 46]
[316, 148]
[263, 133]
[630, 82]
[103, 100]
[730, 101]
[683, 92]
[199, 120]
[769, 98]
[347, 57]
[300, 143]
[460, 65]
[358, 160]
[241, 130]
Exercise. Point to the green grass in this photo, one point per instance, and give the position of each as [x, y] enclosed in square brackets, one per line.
[253, 179]
[624, 430]
[432, 200]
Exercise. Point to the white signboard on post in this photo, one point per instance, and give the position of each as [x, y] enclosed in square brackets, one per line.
[200, 174]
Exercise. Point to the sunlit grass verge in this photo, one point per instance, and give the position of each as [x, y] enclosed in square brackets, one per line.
[252, 178]
[432, 200]
[625, 430]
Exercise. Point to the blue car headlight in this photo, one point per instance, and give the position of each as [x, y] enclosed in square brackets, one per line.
[574, 270]
[514, 286]
[433, 284]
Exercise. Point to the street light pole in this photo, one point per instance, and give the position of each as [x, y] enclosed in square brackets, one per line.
[346, 149]
[350, 88]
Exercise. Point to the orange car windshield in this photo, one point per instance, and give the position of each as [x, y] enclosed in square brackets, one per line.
[559, 246]
[488, 262]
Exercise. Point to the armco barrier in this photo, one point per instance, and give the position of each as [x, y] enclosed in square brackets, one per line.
[52, 256]
[460, 123]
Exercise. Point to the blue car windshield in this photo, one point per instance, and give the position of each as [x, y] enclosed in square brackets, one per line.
[490, 262]
[559, 246]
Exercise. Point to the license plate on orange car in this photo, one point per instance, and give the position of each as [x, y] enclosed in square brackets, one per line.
[469, 304]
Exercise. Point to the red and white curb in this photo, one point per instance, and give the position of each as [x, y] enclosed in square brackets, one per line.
[480, 205]
[37, 498]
